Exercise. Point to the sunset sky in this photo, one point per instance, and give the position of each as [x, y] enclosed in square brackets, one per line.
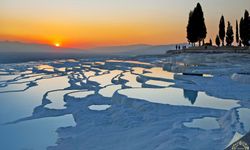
[92, 23]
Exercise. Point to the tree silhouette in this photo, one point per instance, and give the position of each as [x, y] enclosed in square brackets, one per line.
[222, 30]
[247, 24]
[196, 28]
[245, 29]
[217, 40]
[237, 33]
[211, 42]
[229, 34]
[191, 34]
[242, 30]
[191, 95]
[200, 23]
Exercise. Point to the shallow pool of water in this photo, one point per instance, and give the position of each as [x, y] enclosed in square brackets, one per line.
[33, 134]
[174, 96]
[106, 78]
[131, 80]
[158, 72]
[81, 94]
[159, 83]
[99, 107]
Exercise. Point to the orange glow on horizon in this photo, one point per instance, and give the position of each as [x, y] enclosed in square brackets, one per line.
[57, 45]
[92, 34]
[91, 23]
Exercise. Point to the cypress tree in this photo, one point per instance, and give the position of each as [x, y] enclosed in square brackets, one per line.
[200, 23]
[222, 29]
[211, 42]
[196, 28]
[242, 31]
[191, 34]
[229, 34]
[237, 33]
[217, 40]
[247, 27]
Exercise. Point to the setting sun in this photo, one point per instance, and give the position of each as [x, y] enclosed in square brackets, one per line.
[57, 44]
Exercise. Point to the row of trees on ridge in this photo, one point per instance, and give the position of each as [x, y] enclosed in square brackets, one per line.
[197, 31]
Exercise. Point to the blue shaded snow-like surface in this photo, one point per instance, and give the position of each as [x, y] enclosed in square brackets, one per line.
[122, 104]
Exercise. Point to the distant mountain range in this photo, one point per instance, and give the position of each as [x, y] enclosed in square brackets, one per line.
[10, 51]
[140, 49]
[7, 46]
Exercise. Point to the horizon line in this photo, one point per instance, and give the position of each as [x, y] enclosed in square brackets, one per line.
[94, 47]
